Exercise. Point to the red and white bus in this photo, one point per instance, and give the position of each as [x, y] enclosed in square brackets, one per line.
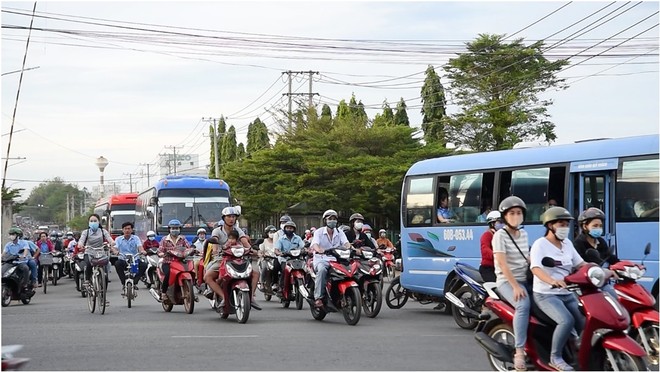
[115, 210]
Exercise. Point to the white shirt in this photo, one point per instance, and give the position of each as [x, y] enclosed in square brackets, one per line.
[565, 258]
[323, 240]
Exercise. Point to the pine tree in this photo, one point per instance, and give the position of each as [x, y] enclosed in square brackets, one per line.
[433, 108]
[401, 115]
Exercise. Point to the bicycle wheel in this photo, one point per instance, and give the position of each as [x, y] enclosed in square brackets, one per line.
[129, 292]
[91, 295]
[44, 277]
[101, 288]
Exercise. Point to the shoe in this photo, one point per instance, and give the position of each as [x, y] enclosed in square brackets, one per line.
[163, 297]
[40, 285]
[318, 303]
[208, 294]
[221, 304]
[109, 281]
[254, 304]
[560, 365]
[519, 362]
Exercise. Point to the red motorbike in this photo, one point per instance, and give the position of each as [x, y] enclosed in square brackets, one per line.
[9, 361]
[604, 343]
[388, 262]
[294, 279]
[235, 281]
[342, 291]
[180, 289]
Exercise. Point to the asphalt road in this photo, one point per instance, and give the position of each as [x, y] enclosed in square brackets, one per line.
[59, 333]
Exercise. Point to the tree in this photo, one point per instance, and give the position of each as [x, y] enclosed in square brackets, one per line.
[401, 115]
[229, 147]
[433, 108]
[497, 85]
[47, 202]
[385, 119]
[257, 137]
[240, 152]
[326, 112]
[220, 132]
[11, 196]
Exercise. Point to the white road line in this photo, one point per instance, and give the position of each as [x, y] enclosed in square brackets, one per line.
[225, 336]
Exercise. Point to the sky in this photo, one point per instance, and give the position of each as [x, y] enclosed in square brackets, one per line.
[127, 92]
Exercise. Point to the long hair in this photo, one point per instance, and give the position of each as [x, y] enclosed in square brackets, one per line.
[97, 217]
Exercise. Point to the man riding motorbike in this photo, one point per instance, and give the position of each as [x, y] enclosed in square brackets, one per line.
[284, 245]
[19, 247]
[129, 244]
[280, 233]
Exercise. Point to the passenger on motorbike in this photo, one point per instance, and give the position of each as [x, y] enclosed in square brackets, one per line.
[325, 238]
[198, 243]
[550, 293]
[290, 241]
[382, 241]
[151, 241]
[129, 244]
[172, 242]
[95, 236]
[267, 249]
[366, 229]
[308, 235]
[19, 247]
[511, 252]
[487, 267]
[67, 239]
[591, 223]
[45, 246]
[280, 233]
[355, 235]
[229, 217]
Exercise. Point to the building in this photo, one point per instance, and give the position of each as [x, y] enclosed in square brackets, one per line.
[184, 164]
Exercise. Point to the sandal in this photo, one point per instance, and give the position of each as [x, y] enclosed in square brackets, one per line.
[520, 362]
[561, 365]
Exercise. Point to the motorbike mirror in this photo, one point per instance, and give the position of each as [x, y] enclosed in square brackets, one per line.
[548, 262]
[647, 249]
[592, 255]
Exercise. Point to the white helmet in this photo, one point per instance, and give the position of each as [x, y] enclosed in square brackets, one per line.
[493, 216]
[231, 210]
[330, 212]
[150, 233]
[382, 231]
[201, 230]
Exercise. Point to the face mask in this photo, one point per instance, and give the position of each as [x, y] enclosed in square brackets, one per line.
[175, 232]
[368, 235]
[288, 233]
[93, 225]
[202, 237]
[282, 226]
[12, 236]
[271, 235]
[516, 221]
[53, 238]
[152, 238]
[499, 225]
[561, 232]
[332, 224]
[358, 226]
[596, 233]
[383, 235]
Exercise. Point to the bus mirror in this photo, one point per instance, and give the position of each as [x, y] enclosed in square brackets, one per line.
[153, 200]
[104, 221]
[647, 249]
[150, 211]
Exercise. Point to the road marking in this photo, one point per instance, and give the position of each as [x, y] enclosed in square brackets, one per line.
[226, 336]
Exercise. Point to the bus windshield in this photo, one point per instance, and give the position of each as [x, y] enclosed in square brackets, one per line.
[119, 219]
[192, 207]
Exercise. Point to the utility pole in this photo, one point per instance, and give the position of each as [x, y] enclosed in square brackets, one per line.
[216, 151]
[130, 180]
[174, 154]
[291, 94]
[148, 174]
[68, 209]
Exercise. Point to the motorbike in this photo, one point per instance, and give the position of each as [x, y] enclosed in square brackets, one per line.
[180, 290]
[9, 362]
[57, 264]
[235, 276]
[267, 282]
[294, 279]
[388, 262]
[150, 278]
[79, 272]
[604, 345]
[639, 303]
[467, 287]
[68, 264]
[15, 281]
[369, 281]
[132, 269]
[342, 291]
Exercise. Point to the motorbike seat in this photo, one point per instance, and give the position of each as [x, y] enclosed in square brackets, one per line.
[540, 315]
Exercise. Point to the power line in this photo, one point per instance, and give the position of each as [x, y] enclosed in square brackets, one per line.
[539, 20]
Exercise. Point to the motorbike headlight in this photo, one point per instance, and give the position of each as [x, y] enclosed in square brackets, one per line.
[634, 272]
[81, 256]
[344, 254]
[294, 252]
[235, 274]
[9, 272]
[367, 255]
[237, 251]
[597, 276]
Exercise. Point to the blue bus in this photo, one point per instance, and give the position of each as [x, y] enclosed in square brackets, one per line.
[619, 176]
[195, 201]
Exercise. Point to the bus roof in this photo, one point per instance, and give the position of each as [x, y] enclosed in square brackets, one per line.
[584, 150]
[190, 182]
[126, 198]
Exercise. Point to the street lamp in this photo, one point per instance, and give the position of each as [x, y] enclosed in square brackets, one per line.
[101, 162]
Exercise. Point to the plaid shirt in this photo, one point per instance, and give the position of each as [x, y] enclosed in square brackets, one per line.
[167, 244]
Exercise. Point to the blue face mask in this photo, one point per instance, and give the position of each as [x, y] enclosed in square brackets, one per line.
[175, 232]
[93, 225]
[596, 233]
[332, 224]
[499, 225]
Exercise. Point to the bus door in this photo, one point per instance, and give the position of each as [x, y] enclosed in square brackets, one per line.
[595, 181]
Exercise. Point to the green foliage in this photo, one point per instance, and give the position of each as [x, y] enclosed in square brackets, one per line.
[12, 195]
[401, 115]
[497, 84]
[240, 152]
[326, 112]
[385, 119]
[47, 202]
[229, 148]
[221, 128]
[257, 137]
[433, 108]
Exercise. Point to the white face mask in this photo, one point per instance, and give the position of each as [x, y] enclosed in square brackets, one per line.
[152, 238]
[562, 232]
[358, 226]
[368, 235]
[271, 235]
[282, 226]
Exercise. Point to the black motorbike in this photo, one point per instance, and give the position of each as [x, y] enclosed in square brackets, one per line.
[15, 281]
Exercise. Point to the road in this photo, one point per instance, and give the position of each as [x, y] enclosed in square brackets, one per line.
[59, 333]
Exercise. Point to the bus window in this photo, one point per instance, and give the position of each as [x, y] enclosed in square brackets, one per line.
[419, 202]
[464, 198]
[535, 187]
[637, 190]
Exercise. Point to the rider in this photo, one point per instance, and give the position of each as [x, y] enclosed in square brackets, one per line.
[67, 239]
[95, 236]
[129, 244]
[511, 252]
[229, 217]
[172, 242]
[290, 241]
[487, 267]
[19, 247]
[308, 235]
[151, 241]
[355, 235]
[325, 238]
[550, 293]
[267, 248]
[198, 244]
[56, 238]
[382, 241]
[366, 229]
[45, 246]
[280, 233]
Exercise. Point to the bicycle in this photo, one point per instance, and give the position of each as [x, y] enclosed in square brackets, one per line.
[131, 271]
[46, 263]
[98, 287]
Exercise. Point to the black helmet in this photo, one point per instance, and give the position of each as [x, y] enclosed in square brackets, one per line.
[269, 228]
[53, 234]
[355, 216]
[512, 202]
[285, 219]
[555, 214]
[589, 214]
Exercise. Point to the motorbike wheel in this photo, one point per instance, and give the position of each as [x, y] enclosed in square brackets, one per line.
[167, 306]
[624, 361]
[26, 300]
[6, 295]
[469, 298]
[299, 297]
[242, 305]
[56, 275]
[44, 278]
[502, 333]
[396, 296]
[318, 313]
[188, 296]
[129, 293]
[353, 308]
[391, 274]
[372, 300]
[91, 298]
[286, 304]
[651, 332]
[102, 286]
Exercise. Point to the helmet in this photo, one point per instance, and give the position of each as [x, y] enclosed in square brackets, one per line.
[589, 214]
[344, 228]
[229, 211]
[355, 216]
[291, 223]
[512, 202]
[312, 229]
[382, 231]
[555, 214]
[270, 228]
[150, 233]
[366, 228]
[307, 231]
[69, 233]
[493, 216]
[174, 223]
[285, 218]
[59, 234]
[329, 212]
[53, 234]
[201, 230]
[16, 230]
